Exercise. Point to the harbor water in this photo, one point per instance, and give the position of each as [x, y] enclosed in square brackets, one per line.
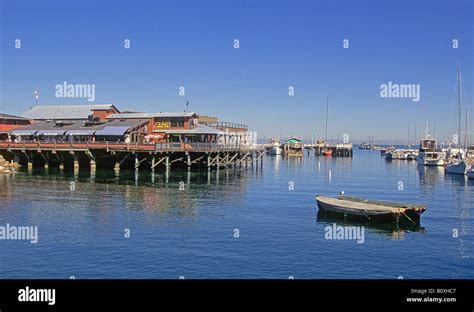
[255, 222]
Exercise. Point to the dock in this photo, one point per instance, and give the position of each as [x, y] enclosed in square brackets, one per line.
[338, 150]
[147, 156]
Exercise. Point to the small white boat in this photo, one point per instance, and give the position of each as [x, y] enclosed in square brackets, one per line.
[457, 167]
[372, 210]
[275, 148]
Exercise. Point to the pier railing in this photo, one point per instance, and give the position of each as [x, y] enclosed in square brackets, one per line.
[121, 146]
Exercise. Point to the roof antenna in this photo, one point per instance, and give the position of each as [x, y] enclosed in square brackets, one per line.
[187, 106]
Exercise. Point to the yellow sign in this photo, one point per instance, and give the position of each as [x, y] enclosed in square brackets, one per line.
[162, 125]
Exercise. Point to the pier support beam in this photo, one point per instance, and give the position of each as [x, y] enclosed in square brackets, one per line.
[91, 160]
[61, 165]
[117, 167]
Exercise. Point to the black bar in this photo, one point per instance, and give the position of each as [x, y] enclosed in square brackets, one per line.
[318, 295]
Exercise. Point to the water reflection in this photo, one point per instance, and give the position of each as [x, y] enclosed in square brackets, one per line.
[429, 177]
[180, 190]
[395, 231]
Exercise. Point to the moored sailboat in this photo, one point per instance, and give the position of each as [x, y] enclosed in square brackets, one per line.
[458, 162]
[458, 166]
[470, 172]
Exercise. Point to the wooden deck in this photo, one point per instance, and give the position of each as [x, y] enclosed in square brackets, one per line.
[124, 147]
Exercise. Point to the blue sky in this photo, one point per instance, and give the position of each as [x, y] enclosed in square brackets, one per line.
[282, 44]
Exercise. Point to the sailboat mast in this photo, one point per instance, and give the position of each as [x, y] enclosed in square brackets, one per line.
[408, 133]
[327, 109]
[416, 135]
[465, 135]
[459, 105]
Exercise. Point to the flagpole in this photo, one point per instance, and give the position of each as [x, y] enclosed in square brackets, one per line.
[36, 93]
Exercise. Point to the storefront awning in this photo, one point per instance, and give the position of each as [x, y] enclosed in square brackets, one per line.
[112, 131]
[24, 132]
[51, 132]
[81, 132]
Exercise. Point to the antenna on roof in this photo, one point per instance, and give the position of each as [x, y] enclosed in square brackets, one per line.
[187, 105]
[36, 94]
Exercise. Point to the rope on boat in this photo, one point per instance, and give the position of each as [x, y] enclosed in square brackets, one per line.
[408, 217]
[366, 215]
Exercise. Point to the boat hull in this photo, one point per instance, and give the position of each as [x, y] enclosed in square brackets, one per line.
[457, 168]
[275, 150]
[470, 173]
[430, 162]
[327, 153]
[359, 209]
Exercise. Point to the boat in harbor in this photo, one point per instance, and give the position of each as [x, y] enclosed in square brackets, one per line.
[275, 147]
[457, 161]
[429, 154]
[385, 151]
[458, 166]
[371, 210]
[327, 151]
[401, 154]
[293, 147]
[365, 146]
[470, 172]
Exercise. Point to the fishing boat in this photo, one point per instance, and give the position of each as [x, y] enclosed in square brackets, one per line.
[327, 151]
[275, 147]
[428, 154]
[371, 210]
[293, 147]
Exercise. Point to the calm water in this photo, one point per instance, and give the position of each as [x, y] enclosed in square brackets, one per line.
[190, 232]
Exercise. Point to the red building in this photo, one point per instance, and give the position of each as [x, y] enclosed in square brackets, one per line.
[9, 123]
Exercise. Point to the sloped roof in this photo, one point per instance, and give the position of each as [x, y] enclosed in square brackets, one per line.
[151, 115]
[7, 116]
[58, 112]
